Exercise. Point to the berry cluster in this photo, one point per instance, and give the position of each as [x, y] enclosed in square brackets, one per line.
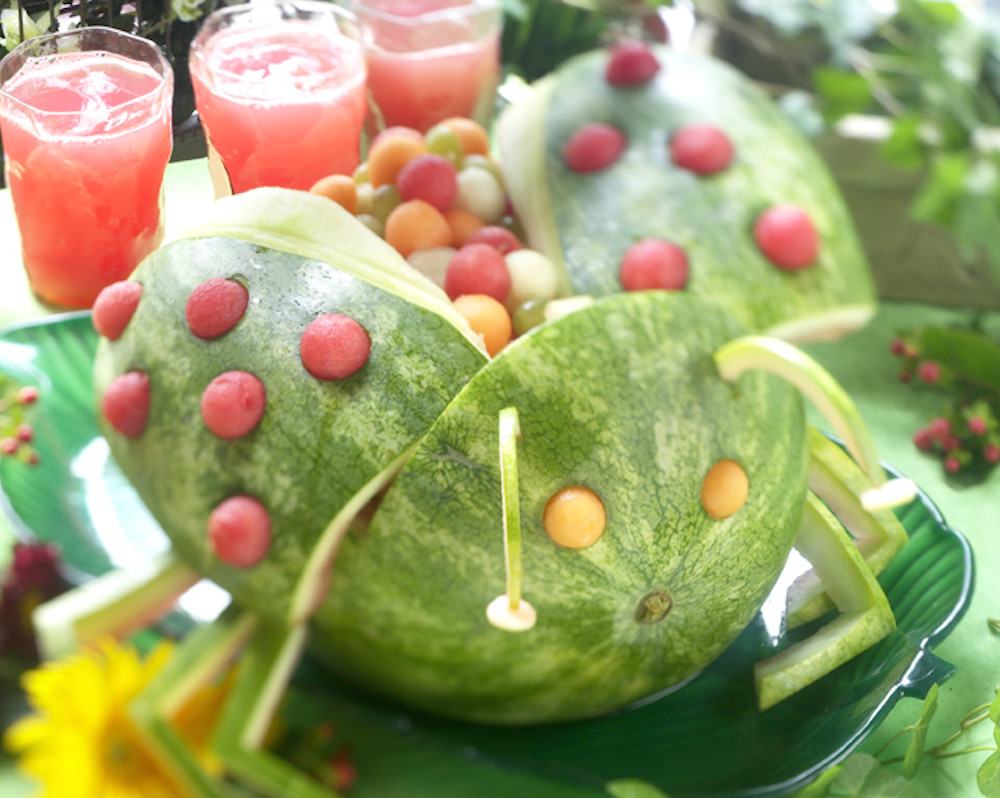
[965, 435]
[16, 434]
[33, 577]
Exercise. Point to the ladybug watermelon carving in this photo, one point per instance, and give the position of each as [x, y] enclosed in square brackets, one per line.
[584, 520]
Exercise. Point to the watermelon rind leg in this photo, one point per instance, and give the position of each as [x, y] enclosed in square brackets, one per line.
[865, 615]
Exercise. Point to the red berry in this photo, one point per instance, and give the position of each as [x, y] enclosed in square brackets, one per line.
[9, 445]
[214, 307]
[951, 464]
[593, 147]
[897, 347]
[951, 443]
[991, 453]
[977, 425]
[334, 347]
[125, 403]
[787, 237]
[233, 404]
[929, 371]
[923, 439]
[653, 263]
[631, 63]
[239, 530]
[940, 429]
[477, 269]
[27, 395]
[703, 149]
[906, 376]
[431, 178]
[500, 238]
[114, 308]
[25, 433]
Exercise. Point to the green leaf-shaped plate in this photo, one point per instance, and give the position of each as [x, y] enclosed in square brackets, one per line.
[704, 740]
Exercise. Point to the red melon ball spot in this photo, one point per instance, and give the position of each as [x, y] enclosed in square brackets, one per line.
[500, 238]
[702, 149]
[787, 237]
[431, 178]
[653, 263]
[334, 347]
[215, 306]
[114, 308]
[477, 269]
[631, 63]
[239, 531]
[593, 147]
[125, 403]
[233, 404]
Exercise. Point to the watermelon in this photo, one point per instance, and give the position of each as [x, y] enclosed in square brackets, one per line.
[316, 429]
[706, 162]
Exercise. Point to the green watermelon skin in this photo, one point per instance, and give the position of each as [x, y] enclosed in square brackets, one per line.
[586, 221]
[319, 442]
[622, 397]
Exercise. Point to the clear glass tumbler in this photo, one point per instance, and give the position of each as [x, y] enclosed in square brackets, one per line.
[85, 119]
[280, 91]
[429, 60]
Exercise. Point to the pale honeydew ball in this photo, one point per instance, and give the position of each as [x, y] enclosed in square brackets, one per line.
[366, 199]
[432, 263]
[373, 223]
[558, 308]
[480, 193]
[532, 276]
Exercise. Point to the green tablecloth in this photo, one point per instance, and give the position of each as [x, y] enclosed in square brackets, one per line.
[893, 411]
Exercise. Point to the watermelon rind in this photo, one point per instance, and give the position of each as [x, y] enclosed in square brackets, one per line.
[622, 397]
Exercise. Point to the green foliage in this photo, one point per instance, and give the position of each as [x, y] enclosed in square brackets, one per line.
[633, 788]
[865, 776]
[931, 68]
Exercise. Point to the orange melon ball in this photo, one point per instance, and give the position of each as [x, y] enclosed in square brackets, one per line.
[390, 154]
[574, 517]
[463, 225]
[487, 317]
[340, 188]
[473, 136]
[725, 489]
[416, 225]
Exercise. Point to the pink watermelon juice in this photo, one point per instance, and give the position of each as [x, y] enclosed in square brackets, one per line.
[283, 103]
[431, 59]
[86, 137]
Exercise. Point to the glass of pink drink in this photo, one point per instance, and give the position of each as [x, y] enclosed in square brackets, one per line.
[86, 128]
[280, 91]
[429, 60]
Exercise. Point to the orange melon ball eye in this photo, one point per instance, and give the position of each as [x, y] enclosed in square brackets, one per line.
[473, 136]
[574, 517]
[487, 317]
[340, 188]
[725, 489]
[390, 154]
[416, 225]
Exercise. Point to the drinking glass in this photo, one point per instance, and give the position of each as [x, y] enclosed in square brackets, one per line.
[85, 119]
[280, 91]
[429, 60]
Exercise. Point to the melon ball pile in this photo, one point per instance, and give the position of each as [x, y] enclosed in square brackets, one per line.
[438, 198]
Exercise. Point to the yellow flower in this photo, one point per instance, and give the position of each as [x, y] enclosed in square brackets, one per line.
[81, 743]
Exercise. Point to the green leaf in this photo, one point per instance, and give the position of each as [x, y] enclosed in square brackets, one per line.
[633, 788]
[904, 147]
[972, 354]
[988, 776]
[995, 706]
[820, 788]
[915, 751]
[939, 195]
[843, 92]
[863, 776]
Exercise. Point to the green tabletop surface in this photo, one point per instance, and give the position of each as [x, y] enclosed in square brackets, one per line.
[893, 411]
